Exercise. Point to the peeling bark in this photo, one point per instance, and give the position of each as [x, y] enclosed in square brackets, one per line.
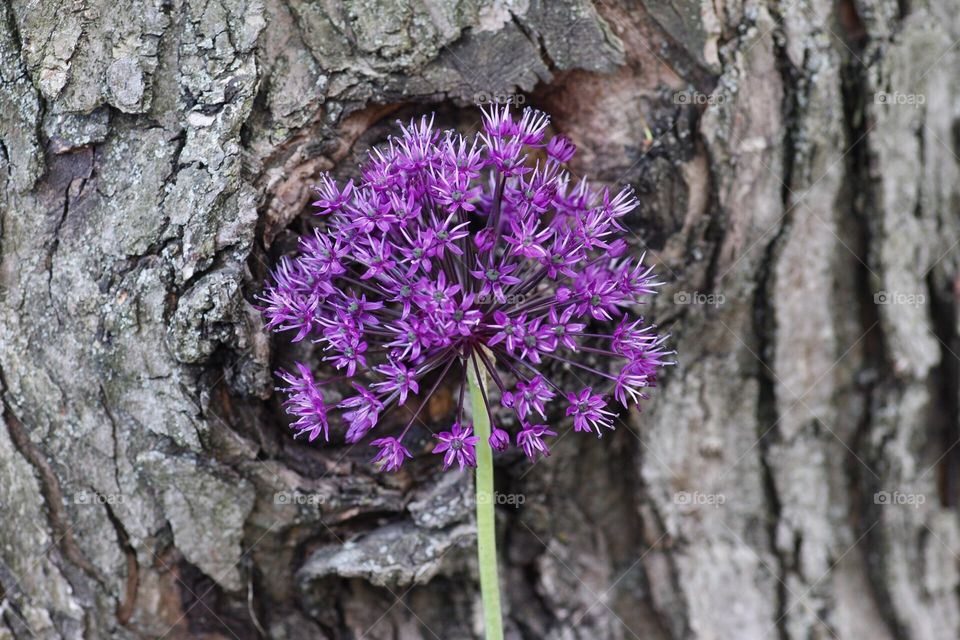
[795, 476]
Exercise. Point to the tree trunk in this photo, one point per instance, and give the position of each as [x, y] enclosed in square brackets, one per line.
[796, 474]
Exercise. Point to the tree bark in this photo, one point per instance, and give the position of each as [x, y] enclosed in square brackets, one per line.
[795, 475]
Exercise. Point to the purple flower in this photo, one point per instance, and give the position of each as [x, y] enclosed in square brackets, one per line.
[453, 253]
[560, 149]
[364, 412]
[391, 453]
[531, 127]
[445, 237]
[398, 379]
[562, 331]
[456, 155]
[537, 339]
[561, 255]
[436, 295]
[530, 439]
[416, 251]
[377, 257]
[631, 379]
[331, 199]
[498, 123]
[369, 212]
[358, 310]
[465, 317]
[507, 156]
[289, 303]
[529, 396]
[401, 292]
[509, 330]
[630, 339]
[348, 349]
[306, 403]
[528, 239]
[410, 338]
[459, 445]
[454, 192]
[499, 439]
[588, 412]
[494, 277]
[322, 255]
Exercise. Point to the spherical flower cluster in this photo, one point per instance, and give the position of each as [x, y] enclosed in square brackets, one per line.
[454, 253]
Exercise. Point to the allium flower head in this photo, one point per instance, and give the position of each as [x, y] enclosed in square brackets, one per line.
[454, 253]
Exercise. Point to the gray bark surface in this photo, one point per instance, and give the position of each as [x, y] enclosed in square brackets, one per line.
[156, 157]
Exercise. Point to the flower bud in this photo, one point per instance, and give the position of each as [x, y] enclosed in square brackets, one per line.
[499, 439]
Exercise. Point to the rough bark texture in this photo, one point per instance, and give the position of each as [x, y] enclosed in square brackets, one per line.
[155, 156]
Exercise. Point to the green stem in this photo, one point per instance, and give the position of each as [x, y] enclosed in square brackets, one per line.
[486, 525]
